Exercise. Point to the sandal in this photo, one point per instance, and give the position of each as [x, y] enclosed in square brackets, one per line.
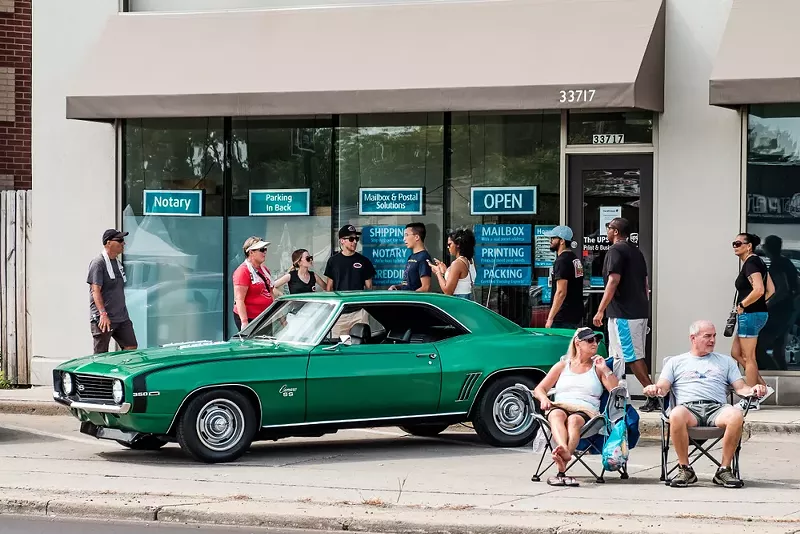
[558, 480]
[571, 482]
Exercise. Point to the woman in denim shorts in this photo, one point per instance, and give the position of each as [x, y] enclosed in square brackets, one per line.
[751, 305]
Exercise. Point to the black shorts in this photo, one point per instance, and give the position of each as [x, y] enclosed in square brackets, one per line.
[586, 417]
[122, 333]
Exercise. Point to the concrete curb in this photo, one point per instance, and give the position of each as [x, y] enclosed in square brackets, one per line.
[395, 520]
[32, 407]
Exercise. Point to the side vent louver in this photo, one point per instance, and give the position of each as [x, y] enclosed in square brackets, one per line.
[469, 383]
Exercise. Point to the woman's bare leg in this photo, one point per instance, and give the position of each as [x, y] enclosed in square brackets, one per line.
[748, 354]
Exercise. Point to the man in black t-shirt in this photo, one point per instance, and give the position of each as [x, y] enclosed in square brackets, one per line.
[348, 270]
[566, 281]
[627, 299]
[417, 275]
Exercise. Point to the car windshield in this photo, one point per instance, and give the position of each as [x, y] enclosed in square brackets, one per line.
[298, 321]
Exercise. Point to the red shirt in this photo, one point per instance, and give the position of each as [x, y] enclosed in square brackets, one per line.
[259, 294]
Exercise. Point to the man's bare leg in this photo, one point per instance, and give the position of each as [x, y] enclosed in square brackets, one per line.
[639, 369]
[680, 420]
[731, 420]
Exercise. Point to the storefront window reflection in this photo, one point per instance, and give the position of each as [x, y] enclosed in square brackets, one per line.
[609, 128]
[508, 151]
[173, 255]
[773, 213]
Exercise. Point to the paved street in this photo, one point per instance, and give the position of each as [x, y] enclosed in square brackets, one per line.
[33, 525]
[372, 471]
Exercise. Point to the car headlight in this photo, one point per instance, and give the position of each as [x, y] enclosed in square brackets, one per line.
[117, 391]
[66, 383]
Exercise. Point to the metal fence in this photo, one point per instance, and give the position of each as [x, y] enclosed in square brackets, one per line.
[15, 318]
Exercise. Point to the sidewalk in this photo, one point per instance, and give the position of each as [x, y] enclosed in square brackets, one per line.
[770, 419]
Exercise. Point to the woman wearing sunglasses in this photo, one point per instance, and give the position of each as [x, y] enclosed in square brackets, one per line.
[301, 278]
[579, 379]
[753, 289]
[252, 283]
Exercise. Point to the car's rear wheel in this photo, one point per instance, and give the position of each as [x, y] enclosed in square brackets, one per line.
[217, 426]
[503, 417]
[144, 443]
[425, 430]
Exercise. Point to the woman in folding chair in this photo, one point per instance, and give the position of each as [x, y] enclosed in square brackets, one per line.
[579, 379]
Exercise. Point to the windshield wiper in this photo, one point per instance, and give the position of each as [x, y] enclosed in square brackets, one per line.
[266, 338]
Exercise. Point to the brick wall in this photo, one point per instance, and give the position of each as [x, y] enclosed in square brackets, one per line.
[15, 94]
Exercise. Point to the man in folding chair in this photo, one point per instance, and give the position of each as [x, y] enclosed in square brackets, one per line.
[699, 381]
[579, 380]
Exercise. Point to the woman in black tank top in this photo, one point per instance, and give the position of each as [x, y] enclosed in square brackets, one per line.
[301, 279]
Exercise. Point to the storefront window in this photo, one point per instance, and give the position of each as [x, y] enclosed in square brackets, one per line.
[172, 198]
[281, 191]
[773, 213]
[391, 174]
[508, 154]
[587, 128]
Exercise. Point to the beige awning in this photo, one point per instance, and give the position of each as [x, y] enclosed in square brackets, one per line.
[757, 61]
[440, 56]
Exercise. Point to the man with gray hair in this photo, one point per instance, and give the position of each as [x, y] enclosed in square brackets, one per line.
[700, 379]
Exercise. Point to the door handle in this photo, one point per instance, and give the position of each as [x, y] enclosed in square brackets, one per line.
[431, 356]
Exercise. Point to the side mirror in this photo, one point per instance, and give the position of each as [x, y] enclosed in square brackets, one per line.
[346, 340]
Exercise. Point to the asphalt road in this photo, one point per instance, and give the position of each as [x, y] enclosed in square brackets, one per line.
[25, 525]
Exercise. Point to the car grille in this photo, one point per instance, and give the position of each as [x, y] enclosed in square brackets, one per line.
[94, 388]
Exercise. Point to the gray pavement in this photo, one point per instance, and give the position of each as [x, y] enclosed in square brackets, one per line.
[381, 480]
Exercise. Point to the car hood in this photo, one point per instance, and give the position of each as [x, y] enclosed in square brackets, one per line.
[133, 362]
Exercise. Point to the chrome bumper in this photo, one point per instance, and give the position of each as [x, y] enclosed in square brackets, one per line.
[123, 408]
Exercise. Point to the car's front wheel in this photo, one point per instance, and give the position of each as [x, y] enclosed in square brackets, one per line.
[217, 426]
[503, 417]
[426, 430]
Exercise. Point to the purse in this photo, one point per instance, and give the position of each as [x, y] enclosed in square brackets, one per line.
[730, 324]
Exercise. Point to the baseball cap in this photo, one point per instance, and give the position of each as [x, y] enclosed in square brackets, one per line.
[111, 234]
[347, 230]
[257, 245]
[564, 232]
[585, 334]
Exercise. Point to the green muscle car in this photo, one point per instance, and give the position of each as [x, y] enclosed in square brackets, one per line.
[316, 363]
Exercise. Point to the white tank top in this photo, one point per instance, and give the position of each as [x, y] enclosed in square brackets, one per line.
[464, 285]
[584, 389]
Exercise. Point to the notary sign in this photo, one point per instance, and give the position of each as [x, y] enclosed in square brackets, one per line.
[275, 202]
[390, 201]
[175, 203]
[504, 200]
[503, 255]
[504, 276]
[389, 255]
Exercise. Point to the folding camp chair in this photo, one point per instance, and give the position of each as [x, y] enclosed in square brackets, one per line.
[699, 437]
[613, 405]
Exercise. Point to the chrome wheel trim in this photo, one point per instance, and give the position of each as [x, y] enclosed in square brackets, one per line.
[220, 425]
[511, 413]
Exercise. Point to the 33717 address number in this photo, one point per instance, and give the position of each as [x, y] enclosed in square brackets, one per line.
[577, 95]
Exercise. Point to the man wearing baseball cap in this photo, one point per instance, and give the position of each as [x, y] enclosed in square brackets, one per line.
[108, 311]
[566, 280]
[348, 270]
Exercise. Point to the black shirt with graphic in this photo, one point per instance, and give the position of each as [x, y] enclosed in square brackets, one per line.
[631, 299]
[753, 266]
[416, 267]
[297, 286]
[349, 273]
[568, 267]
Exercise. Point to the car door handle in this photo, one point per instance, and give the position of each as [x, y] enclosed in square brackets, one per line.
[431, 356]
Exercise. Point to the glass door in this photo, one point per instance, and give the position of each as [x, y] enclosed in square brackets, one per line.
[601, 188]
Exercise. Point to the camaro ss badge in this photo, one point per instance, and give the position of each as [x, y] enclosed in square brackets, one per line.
[286, 391]
[146, 393]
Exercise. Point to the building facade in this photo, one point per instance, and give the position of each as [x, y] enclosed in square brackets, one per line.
[193, 125]
[15, 94]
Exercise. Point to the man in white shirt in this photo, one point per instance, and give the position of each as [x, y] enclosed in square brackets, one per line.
[700, 380]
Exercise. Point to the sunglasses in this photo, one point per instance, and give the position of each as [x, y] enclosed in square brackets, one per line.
[592, 341]
[737, 244]
[352, 238]
[263, 249]
[309, 259]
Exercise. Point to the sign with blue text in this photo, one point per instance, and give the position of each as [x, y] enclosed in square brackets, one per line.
[390, 201]
[275, 202]
[388, 276]
[521, 200]
[547, 289]
[389, 255]
[502, 233]
[182, 203]
[383, 235]
[503, 255]
[544, 256]
[504, 276]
